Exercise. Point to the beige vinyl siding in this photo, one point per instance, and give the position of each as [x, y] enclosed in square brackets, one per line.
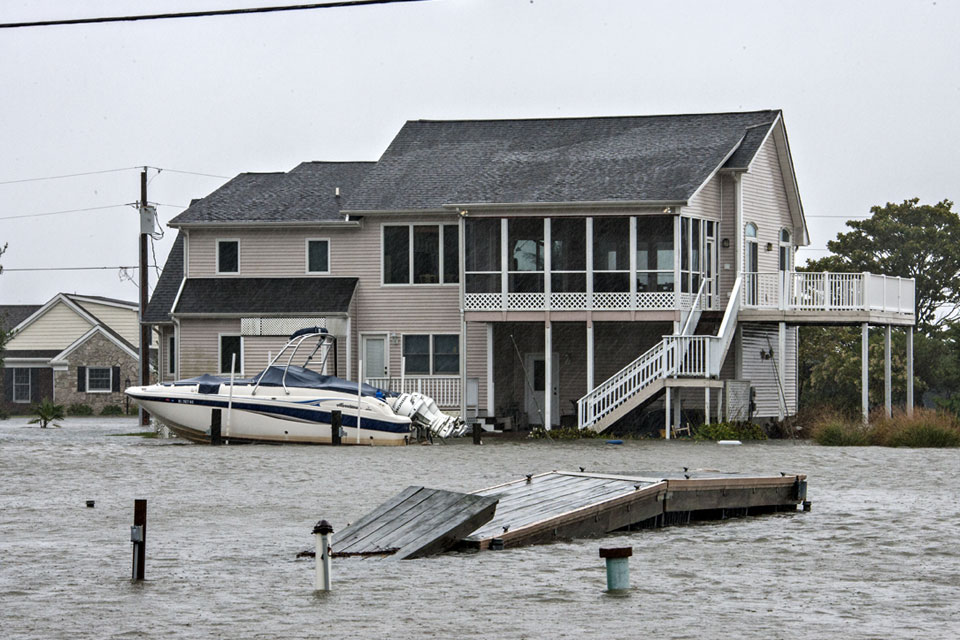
[122, 320]
[200, 344]
[477, 360]
[58, 328]
[765, 203]
[705, 204]
[728, 229]
[763, 373]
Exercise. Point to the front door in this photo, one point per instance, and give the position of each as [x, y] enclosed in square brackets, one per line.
[374, 356]
[536, 389]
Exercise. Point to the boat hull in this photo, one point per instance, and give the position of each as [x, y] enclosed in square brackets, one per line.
[302, 418]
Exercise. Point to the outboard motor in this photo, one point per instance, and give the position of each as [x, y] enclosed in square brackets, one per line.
[423, 412]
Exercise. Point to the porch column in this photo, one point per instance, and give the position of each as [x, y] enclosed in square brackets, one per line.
[590, 384]
[677, 412]
[864, 371]
[781, 368]
[504, 264]
[589, 265]
[463, 367]
[547, 265]
[677, 250]
[887, 392]
[706, 405]
[547, 376]
[666, 414]
[909, 371]
[491, 407]
[633, 262]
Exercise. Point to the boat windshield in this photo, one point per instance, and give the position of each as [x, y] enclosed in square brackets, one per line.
[309, 379]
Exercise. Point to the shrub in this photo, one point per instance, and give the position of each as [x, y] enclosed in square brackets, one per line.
[112, 410]
[46, 412]
[841, 432]
[79, 409]
[730, 431]
[3, 414]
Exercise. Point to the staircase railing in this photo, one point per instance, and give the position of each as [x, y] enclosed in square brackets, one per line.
[619, 387]
[728, 327]
[690, 317]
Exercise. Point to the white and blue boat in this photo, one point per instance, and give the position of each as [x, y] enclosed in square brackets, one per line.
[292, 404]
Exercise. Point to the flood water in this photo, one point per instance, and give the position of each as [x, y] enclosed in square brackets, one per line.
[878, 556]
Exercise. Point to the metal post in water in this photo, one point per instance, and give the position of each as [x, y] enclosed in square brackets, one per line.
[477, 433]
[336, 420]
[233, 369]
[324, 533]
[618, 567]
[138, 536]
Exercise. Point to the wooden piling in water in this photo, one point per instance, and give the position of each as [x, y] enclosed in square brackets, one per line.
[139, 538]
[215, 416]
[336, 420]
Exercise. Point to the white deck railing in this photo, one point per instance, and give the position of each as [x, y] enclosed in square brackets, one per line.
[826, 291]
[445, 390]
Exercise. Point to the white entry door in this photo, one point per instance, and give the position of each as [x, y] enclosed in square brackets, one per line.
[536, 388]
[374, 356]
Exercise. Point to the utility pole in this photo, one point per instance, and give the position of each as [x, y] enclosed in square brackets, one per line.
[144, 273]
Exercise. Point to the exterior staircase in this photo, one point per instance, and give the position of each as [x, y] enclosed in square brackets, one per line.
[681, 355]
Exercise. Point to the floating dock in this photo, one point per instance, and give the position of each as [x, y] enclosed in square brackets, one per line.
[561, 505]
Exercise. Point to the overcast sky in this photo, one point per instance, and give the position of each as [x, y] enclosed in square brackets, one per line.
[870, 93]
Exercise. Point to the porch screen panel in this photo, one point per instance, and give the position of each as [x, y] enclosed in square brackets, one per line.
[396, 255]
[451, 253]
[655, 254]
[482, 259]
[426, 254]
[685, 255]
[568, 255]
[525, 257]
[611, 254]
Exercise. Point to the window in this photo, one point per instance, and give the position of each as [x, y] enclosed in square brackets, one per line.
[228, 256]
[21, 385]
[318, 256]
[421, 254]
[786, 262]
[172, 355]
[482, 259]
[431, 355]
[525, 254]
[654, 253]
[231, 346]
[99, 380]
[611, 254]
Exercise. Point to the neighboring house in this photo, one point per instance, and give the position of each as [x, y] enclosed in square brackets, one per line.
[74, 349]
[543, 271]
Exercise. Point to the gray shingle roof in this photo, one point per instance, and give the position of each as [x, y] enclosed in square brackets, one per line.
[266, 295]
[13, 314]
[158, 309]
[635, 158]
[304, 194]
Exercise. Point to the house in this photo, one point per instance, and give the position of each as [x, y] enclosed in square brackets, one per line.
[75, 349]
[579, 271]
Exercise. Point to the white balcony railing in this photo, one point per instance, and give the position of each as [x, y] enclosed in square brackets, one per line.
[825, 291]
[445, 390]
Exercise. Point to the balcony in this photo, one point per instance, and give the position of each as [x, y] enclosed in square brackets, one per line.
[579, 301]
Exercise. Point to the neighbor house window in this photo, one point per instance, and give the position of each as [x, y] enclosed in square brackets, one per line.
[228, 256]
[171, 355]
[318, 256]
[421, 254]
[99, 380]
[21, 385]
[431, 354]
[231, 346]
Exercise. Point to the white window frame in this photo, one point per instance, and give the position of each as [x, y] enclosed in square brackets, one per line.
[15, 385]
[217, 265]
[306, 257]
[441, 282]
[171, 359]
[788, 245]
[430, 354]
[109, 388]
[220, 337]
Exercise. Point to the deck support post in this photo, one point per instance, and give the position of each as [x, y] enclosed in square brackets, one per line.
[666, 414]
[547, 376]
[491, 406]
[909, 371]
[677, 411]
[590, 384]
[706, 405]
[887, 391]
[781, 369]
[865, 371]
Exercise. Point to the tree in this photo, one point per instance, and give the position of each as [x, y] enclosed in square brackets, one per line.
[46, 412]
[909, 240]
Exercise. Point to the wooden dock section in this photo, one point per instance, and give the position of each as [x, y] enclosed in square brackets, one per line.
[415, 523]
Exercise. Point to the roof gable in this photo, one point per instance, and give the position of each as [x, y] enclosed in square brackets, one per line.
[308, 193]
[651, 159]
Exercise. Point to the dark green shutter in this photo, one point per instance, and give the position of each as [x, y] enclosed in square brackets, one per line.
[115, 376]
[81, 378]
[8, 385]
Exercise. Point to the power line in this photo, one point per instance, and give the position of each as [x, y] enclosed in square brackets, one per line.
[190, 173]
[201, 14]
[56, 213]
[5, 269]
[67, 175]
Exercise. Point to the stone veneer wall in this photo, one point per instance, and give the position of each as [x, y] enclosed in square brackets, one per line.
[98, 351]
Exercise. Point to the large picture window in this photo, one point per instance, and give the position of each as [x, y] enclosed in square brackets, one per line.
[231, 346]
[431, 354]
[21, 385]
[228, 256]
[99, 380]
[421, 254]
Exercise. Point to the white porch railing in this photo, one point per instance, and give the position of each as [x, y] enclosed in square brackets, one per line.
[580, 301]
[445, 390]
[826, 291]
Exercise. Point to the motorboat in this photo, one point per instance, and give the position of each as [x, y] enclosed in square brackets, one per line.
[291, 403]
